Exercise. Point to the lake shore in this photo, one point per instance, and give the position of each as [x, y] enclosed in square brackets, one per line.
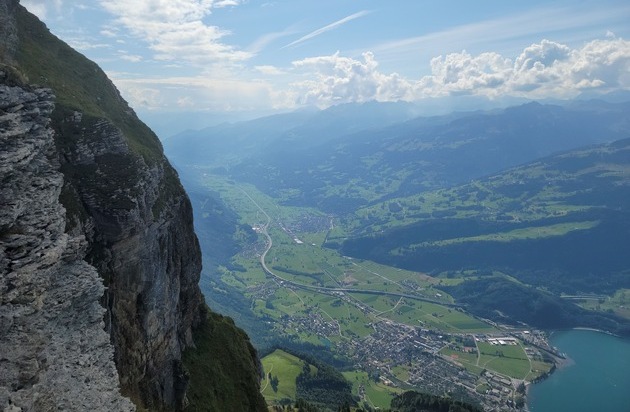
[582, 381]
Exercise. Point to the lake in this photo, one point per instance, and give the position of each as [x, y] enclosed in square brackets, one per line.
[596, 378]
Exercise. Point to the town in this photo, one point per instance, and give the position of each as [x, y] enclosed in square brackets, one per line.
[427, 356]
[489, 369]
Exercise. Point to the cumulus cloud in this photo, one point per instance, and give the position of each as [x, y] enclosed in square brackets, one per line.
[175, 29]
[543, 54]
[336, 79]
[545, 69]
[463, 73]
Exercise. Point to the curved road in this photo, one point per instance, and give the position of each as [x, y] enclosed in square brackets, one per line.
[324, 289]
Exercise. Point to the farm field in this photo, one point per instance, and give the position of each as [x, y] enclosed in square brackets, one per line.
[509, 360]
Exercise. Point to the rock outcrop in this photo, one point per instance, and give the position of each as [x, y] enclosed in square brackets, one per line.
[91, 212]
[54, 351]
[138, 222]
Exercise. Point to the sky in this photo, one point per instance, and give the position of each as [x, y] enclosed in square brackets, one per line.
[245, 56]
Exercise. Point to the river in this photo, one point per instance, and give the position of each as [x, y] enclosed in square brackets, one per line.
[596, 376]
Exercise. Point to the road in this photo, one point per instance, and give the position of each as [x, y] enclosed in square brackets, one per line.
[324, 289]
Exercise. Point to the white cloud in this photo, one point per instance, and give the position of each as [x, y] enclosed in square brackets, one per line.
[261, 42]
[462, 73]
[226, 3]
[131, 57]
[573, 24]
[544, 54]
[270, 70]
[144, 96]
[43, 8]
[545, 69]
[37, 7]
[175, 30]
[200, 93]
[337, 79]
[109, 33]
[83, 45]
[541, 70]
[327, 28]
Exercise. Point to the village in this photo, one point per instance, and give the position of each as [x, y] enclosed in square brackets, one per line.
[488, 369]
[406, 357]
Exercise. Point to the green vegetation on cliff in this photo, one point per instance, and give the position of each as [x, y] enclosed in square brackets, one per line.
[223, 368]
[79, 84]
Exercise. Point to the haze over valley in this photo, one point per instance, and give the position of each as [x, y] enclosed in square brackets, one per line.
[417, 240]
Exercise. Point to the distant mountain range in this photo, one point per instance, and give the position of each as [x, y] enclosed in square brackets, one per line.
[351, 155]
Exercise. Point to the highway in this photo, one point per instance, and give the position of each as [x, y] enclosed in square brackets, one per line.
[324, 289]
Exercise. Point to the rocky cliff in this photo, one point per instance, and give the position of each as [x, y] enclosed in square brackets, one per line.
[54, 351]
[90, 211]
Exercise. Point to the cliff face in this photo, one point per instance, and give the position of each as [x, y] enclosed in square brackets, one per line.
[138, 223]
[89, 198]
[54, 351]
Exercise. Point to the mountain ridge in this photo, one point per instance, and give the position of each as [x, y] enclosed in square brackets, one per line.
[414, 155]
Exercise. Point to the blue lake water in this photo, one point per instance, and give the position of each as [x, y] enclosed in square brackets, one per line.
[597, 377]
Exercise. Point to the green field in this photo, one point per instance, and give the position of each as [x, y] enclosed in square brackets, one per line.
[309, 264]
[517, 234]
[538, 368]
[286, 368]
[509, 360]
[462, 202]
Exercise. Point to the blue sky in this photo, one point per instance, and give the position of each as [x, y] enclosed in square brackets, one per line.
[225, 56]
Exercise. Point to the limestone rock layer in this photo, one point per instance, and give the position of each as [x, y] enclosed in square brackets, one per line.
[54, 351]
[98, 256]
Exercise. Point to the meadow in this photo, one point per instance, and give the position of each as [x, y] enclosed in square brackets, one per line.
[286, 368]
[509, 360]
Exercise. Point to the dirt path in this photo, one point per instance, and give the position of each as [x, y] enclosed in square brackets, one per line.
[266, 379]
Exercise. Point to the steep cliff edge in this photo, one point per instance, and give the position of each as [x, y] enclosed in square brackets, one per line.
[126, 218]
[54, 351]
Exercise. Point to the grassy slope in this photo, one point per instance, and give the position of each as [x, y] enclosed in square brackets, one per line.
[286, 368]
[78, 83]
[572, 204]
[223, 369]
